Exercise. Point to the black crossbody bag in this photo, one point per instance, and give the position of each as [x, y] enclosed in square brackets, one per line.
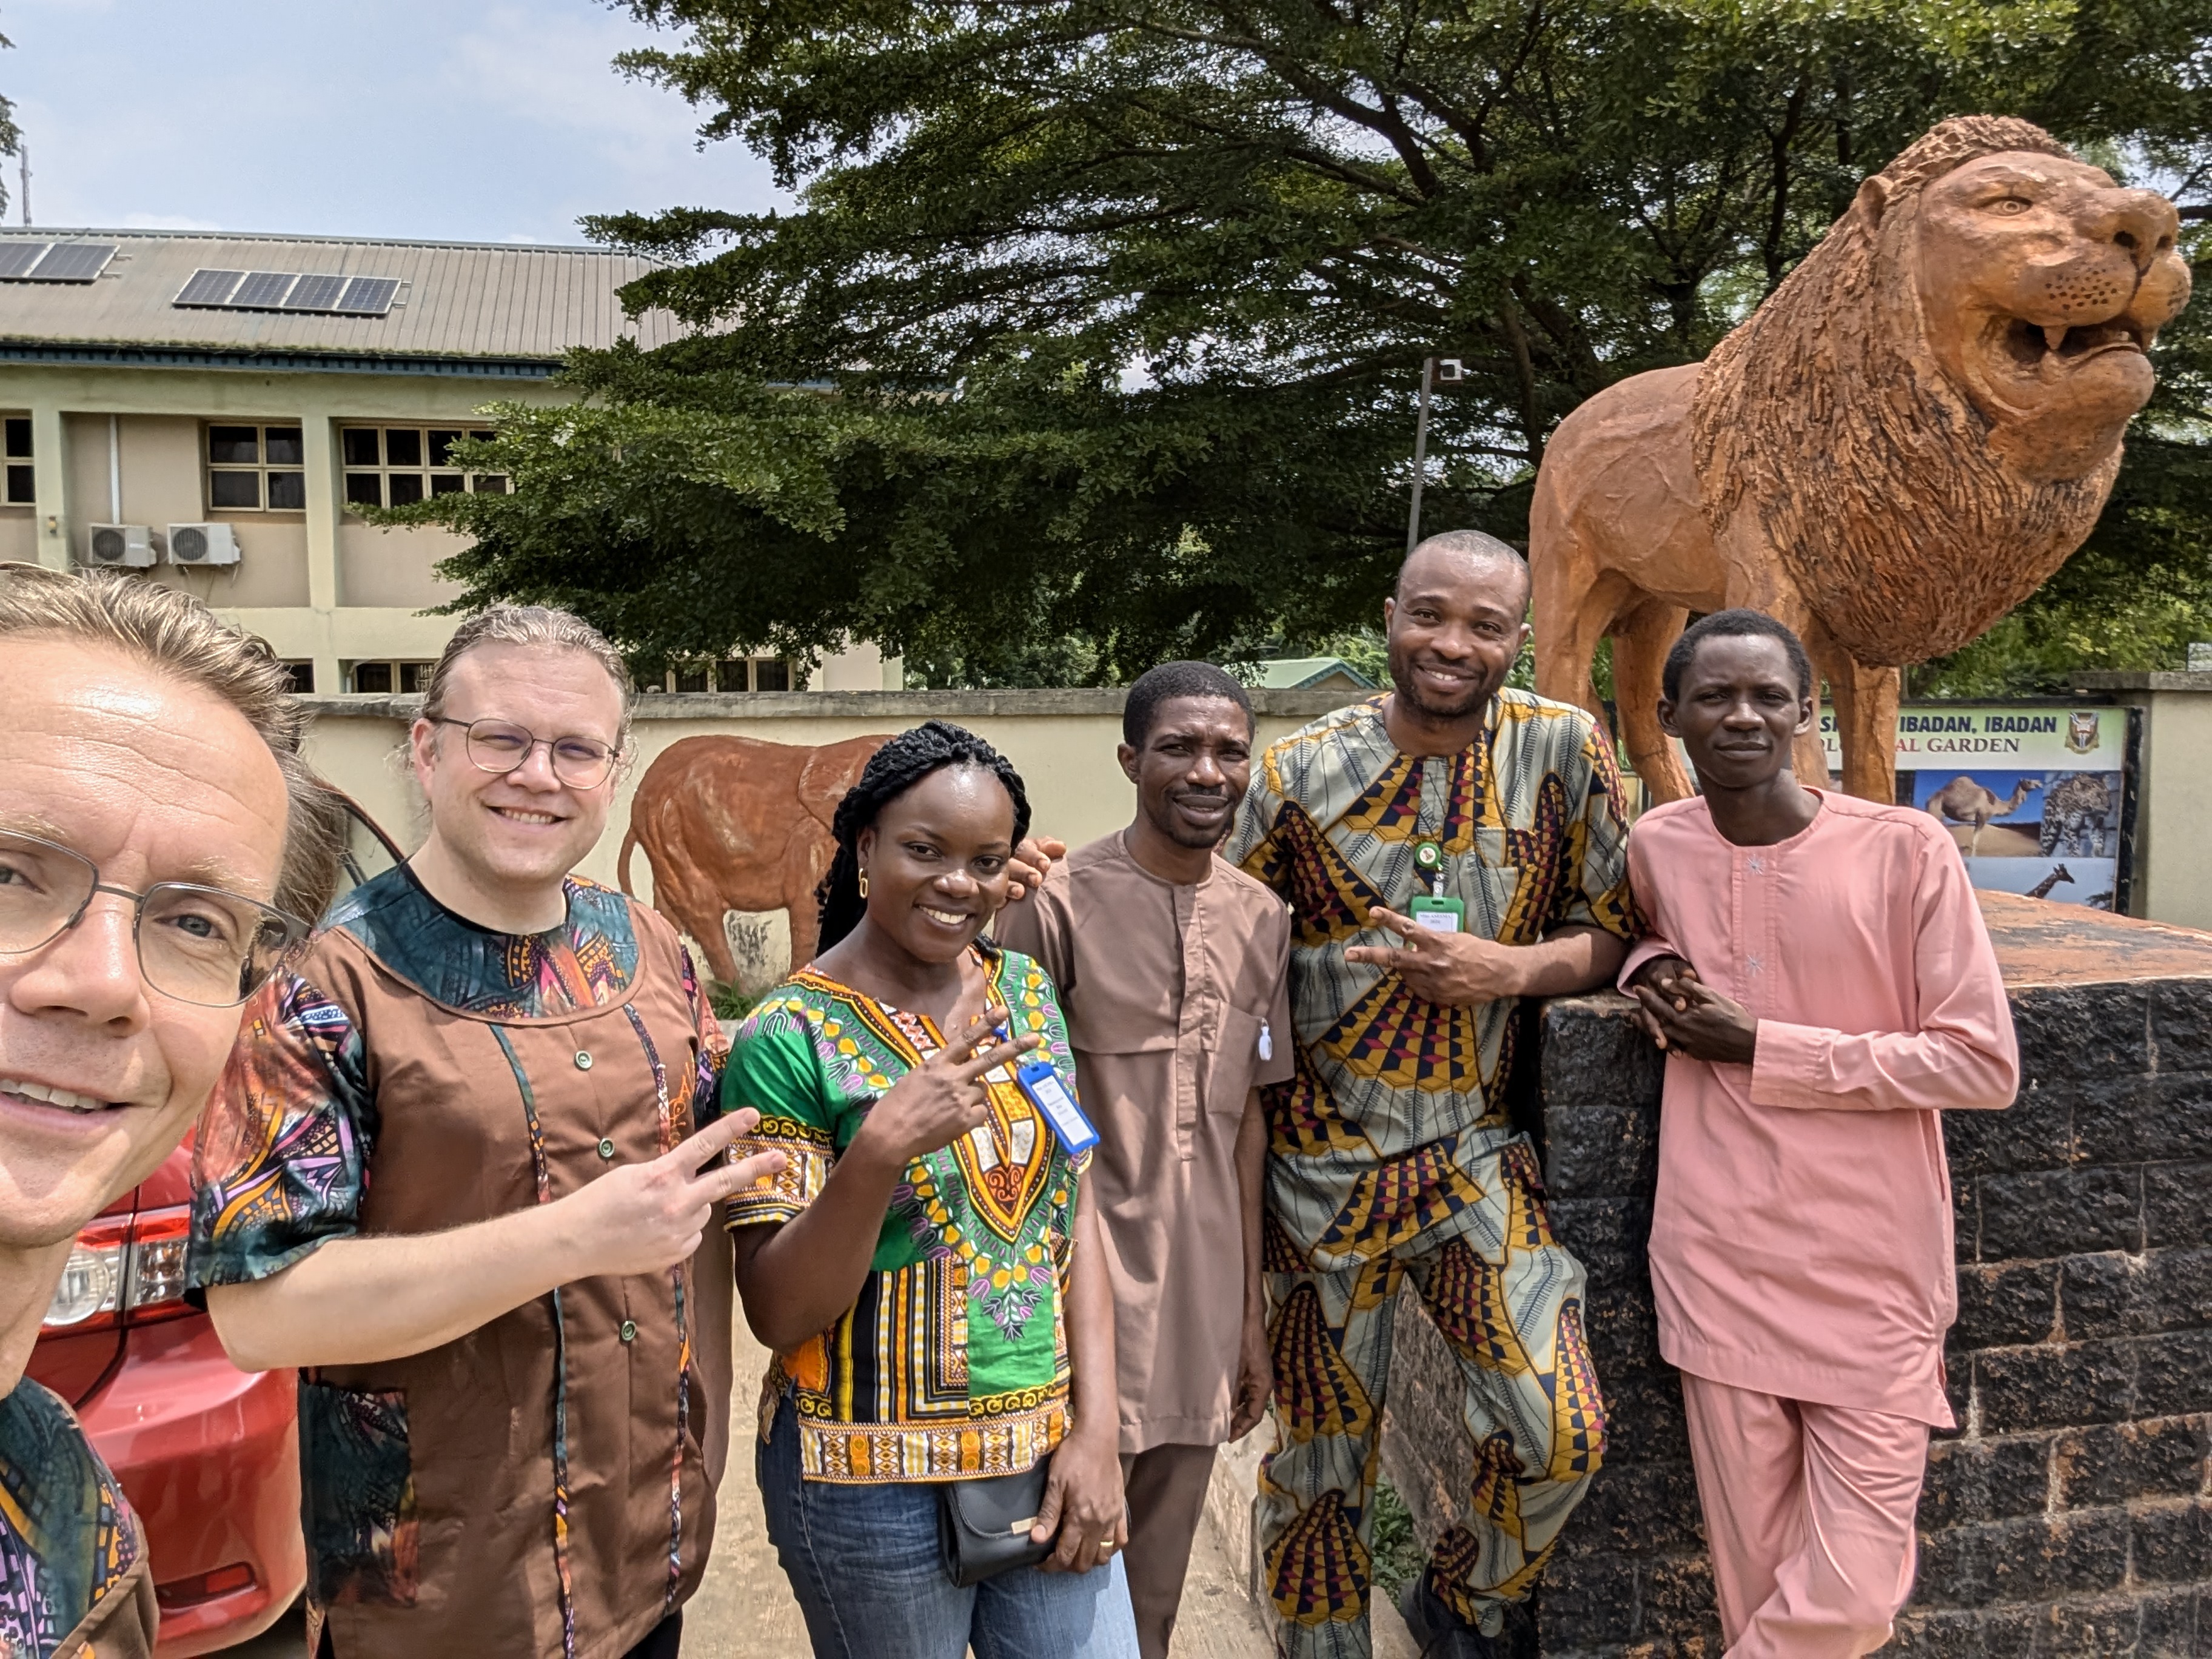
[983, 1526]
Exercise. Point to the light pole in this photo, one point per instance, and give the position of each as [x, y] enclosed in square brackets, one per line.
[1447, 371]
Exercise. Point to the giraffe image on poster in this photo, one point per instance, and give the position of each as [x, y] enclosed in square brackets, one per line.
[2060, 876]
[732, 823]
[1912, 432]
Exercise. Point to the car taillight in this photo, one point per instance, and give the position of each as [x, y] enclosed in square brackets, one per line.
[185, 1592]
[124, 1272]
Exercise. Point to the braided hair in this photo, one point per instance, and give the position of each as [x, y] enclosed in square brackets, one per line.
[896, 767]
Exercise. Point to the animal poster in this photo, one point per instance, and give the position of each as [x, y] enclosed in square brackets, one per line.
[2033, 795]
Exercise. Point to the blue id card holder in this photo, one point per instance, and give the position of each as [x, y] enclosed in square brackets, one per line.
[1056, 1105]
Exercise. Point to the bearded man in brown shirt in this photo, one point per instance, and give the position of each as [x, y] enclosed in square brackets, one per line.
[1173, 972]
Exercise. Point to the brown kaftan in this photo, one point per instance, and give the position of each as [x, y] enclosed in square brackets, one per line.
[544, 1484]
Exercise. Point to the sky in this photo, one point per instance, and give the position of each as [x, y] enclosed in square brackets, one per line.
[430, 119]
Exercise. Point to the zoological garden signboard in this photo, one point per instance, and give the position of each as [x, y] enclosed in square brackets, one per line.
[2038, 795]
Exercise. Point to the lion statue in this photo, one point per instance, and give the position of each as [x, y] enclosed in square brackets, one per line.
[1916, 428]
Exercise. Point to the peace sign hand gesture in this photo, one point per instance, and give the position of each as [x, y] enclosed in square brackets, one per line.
[646, 1217]
[941, 1099]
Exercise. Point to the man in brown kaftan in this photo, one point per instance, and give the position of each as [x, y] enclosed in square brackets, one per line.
[1172, 968]
[451, 1174]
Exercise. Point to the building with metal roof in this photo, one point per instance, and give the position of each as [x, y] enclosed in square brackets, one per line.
[210, 407]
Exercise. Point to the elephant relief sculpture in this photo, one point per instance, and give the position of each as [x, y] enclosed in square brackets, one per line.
[1916, 428]
[739, 823]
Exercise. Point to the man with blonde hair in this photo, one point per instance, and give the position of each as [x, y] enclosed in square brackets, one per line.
[457, 1173]
[158, 832]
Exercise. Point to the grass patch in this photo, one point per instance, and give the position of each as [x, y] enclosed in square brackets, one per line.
[1396, 1550]
[727, 1001]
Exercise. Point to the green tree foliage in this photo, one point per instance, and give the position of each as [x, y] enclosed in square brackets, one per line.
[1094, 332]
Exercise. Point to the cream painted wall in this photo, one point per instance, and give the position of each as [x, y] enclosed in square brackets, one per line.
[1062, 742]
[2174, 810]
[158, 468]
[393, 568]
[19, 534]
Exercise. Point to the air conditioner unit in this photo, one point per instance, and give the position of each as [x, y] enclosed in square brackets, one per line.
[203, 543]
[128, 545]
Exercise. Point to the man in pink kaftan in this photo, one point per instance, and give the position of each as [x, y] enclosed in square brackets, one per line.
[1818, 972]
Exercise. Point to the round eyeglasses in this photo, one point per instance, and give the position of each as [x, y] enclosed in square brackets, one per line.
[197, 944]
[502, 746]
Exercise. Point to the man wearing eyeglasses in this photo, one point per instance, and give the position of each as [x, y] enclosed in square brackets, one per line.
[157, 833]
[452, 1176]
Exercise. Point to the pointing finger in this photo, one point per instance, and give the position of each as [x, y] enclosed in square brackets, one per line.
[719, 1184]
[1384, 916]
[996, 1055]
[1378, 956]
[710, 1142]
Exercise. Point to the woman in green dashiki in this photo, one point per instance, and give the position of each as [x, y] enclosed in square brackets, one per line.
[922, 1267]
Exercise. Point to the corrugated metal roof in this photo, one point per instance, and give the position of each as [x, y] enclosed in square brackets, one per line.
[485, 300]
[1293, 673]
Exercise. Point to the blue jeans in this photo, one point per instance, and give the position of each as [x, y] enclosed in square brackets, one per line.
[864, 1563]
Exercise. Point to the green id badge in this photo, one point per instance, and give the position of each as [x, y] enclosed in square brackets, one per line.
[1432, 911]
[1439, 915]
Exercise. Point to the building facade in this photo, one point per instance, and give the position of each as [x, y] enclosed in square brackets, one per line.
[212, 409]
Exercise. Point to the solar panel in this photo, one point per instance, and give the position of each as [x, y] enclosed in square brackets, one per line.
[263, 290]
[367, 296]
[282, 290]
[209, 287]
[315, 294]
[73, 262]
[17, 257]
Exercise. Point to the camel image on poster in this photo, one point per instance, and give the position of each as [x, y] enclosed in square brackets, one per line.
[1057, 1107]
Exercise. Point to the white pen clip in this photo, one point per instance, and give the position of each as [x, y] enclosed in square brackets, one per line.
[1266, 1042]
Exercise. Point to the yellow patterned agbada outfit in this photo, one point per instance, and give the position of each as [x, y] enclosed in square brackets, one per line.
[1391, 1156]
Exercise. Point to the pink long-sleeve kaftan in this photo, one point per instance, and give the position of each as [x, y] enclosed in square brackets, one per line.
[1801, 1242]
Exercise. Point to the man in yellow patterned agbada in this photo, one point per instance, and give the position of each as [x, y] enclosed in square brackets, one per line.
[1446, 850]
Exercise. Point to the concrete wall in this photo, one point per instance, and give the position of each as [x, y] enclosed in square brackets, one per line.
[2173, 809]
[1062, 742]
[2071, 1511]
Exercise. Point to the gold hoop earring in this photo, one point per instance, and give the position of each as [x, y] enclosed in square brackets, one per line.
[863, 884]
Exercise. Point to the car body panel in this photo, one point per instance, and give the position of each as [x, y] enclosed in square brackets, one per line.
[209, 1456]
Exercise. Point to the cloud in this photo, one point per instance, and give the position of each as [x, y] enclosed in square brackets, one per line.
[408, 118]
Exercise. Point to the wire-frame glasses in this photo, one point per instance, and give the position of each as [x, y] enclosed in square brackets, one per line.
[500, 746]
[197, 945]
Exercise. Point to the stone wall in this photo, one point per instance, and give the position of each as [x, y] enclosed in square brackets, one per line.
[2071, 1512]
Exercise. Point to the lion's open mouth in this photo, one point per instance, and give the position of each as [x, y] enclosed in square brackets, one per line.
[2034, 345]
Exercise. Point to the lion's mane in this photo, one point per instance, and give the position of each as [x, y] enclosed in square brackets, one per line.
[1869, 468]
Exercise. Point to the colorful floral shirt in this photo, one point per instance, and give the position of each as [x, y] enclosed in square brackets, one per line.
[1393, 1123]
[68, 1538]
[953, 1363]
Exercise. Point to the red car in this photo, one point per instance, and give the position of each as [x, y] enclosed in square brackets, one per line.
[208, 1454]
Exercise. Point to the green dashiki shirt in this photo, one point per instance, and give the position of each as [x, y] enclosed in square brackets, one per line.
[68, 1541]
[1395, 1123]
[953, 1363]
